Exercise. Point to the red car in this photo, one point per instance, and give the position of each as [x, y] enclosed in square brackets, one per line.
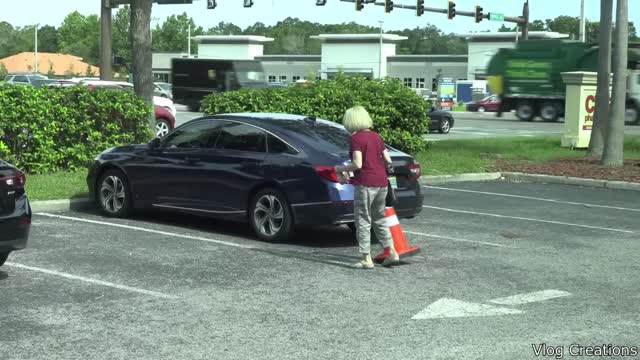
[490, 103]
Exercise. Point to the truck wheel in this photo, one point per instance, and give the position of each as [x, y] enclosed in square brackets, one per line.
[525, 111]
[631, 115]
[549, 111]
[194, 105]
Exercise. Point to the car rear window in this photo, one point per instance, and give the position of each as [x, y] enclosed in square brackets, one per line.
[320, 133]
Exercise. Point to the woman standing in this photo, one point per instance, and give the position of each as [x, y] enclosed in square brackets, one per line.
[369, 162]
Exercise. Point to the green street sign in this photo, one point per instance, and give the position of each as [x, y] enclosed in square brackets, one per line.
[496, 16]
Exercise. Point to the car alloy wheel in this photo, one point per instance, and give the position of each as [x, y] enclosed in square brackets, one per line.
[268, 215]
[481, 109]
[162, 128]
[445, 126]
[113, 194]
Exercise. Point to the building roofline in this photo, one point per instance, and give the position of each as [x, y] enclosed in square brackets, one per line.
[231, 39]
[351, 38]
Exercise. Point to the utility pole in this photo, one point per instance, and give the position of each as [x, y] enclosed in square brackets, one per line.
[582, 22]
[189, 40]
[525, 25]
[380, 58]
[36, 43]
[106, 50]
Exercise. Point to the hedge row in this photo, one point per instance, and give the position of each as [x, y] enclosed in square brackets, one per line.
[50, 129]
[399, 114]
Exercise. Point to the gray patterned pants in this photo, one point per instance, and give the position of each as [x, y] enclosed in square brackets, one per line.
[369, 204]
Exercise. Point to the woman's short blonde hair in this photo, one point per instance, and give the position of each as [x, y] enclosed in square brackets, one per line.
[356, 119]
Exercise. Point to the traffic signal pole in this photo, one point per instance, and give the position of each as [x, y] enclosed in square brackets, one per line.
[523, 20]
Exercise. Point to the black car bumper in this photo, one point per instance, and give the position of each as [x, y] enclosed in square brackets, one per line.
[14, 227]
[341, 212]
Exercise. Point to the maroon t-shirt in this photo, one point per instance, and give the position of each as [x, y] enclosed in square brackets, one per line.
[373, 171]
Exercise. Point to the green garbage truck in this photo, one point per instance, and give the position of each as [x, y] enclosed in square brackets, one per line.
[528, 78]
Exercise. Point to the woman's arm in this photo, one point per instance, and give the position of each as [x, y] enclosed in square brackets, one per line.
[387, 157]
[356, 163]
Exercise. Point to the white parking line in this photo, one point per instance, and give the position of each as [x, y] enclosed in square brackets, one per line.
[528, 219]
[92, 281]
[137, 228]
[534, 198]
[456, 239]
[530, 297]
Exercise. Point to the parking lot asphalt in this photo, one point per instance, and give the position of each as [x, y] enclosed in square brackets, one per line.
[503, 266]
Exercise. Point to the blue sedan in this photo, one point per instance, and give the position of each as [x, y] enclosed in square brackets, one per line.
[274, 171]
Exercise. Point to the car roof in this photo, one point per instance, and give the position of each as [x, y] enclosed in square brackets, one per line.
[268, 120]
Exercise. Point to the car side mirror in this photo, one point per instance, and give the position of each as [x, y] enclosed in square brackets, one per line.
[154, 143]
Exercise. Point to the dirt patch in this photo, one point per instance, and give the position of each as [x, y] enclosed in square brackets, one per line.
[582, 168]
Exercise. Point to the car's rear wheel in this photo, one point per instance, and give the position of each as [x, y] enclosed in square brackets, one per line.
[162, 127]
[3, 258]
[270, 216]
[445, 126]
[113, 194]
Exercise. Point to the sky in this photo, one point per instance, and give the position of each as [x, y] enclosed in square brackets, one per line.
[52, 12]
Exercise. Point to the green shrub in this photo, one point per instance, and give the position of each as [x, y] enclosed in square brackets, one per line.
[398, 113]
[50, 129]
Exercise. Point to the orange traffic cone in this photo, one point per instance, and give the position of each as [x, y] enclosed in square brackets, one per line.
[399, 242]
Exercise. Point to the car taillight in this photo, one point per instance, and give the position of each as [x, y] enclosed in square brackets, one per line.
[414, 170]
[327, 173]
[18, 180]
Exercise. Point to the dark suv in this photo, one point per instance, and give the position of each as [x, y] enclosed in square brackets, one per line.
[25, 78]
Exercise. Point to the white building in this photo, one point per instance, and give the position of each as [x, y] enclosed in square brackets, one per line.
[371, 55]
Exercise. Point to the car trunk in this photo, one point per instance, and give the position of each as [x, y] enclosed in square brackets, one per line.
[9, 191]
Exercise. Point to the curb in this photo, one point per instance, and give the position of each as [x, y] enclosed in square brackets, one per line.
[537, 178]
[60, 205]
[443, 179]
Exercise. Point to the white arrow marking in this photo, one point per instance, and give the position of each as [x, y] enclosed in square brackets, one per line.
[449, 308]
[530, 297]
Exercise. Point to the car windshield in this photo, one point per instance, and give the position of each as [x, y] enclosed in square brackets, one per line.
[165, 86]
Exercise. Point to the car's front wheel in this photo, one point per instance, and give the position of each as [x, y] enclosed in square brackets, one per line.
[162, 127]
[270, 216]
[482, 109]
[113, 194]
[3, 258]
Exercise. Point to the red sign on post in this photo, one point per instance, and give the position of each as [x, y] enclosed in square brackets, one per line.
[590, 107]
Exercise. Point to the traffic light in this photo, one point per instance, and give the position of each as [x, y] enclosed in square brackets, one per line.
[211, 4]
[420, 8]
[248, 3]
[388, 6]
[321, 2]
[359, 5]
[451, 11]
[479, 14]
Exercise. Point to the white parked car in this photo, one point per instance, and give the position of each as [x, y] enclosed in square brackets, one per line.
[157, 100]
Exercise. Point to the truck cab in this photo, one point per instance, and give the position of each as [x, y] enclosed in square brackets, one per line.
[193, 79]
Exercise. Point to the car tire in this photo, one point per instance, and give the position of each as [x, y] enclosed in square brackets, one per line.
[162, 127]
[631, 115]
[445, 126]
[163, 95]
[270, 216]
[482, 109]
[352, 227]
[549, 111]
[525, 111]
[113, 194]
[3, 258]
[193, 105]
